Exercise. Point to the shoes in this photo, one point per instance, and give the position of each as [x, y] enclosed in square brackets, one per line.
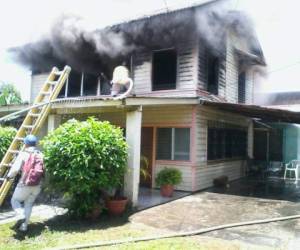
[23, 227]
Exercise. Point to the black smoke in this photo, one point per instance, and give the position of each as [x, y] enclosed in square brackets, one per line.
[71, 42]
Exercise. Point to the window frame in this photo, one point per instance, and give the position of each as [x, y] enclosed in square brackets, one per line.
[224, 129]
[152, 68]
[172, 160]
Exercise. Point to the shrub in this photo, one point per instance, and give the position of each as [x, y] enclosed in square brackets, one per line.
[83, 158]
[168, 176]
[7, 134]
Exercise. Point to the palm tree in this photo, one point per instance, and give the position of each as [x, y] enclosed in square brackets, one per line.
[9, 95]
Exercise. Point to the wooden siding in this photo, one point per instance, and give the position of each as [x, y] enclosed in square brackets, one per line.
[187, 176]
[186, 72]
[232, 68]
[173, 115]
[206, 171]
[37, 82]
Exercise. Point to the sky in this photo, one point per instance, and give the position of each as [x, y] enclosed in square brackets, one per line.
[275, 24]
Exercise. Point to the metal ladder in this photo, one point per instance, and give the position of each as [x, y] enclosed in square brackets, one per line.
[33, 121]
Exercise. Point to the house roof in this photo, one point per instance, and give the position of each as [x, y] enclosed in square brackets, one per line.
[84, 104]
[264, 113]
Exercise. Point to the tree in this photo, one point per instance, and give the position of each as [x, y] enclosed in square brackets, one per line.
[9, 95]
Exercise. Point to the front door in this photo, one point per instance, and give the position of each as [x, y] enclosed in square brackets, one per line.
[146, 157]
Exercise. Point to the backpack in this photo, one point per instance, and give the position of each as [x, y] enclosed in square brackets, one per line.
[33, 170]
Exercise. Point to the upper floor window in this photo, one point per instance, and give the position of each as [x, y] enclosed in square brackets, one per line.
[242, 87]
[173, 144]
[81, 84]
[164, 69]
[213, 74]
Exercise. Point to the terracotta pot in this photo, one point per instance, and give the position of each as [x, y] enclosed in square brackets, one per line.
[167, 190]
[95, 213]
[116, 206]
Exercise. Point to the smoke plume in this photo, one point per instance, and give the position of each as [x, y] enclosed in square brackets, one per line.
[73, 41]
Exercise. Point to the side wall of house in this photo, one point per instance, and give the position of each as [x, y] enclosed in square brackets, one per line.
[232, 70]
[206, 171]
[186, 72]
[37, 81]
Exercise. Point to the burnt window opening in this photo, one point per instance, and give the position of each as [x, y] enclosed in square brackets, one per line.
[213, 65]
[242, 87]
[74, 84]
[164, 69]
[90, 84]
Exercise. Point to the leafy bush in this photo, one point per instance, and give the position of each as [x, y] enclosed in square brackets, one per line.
[83, 158]
[168, 176]
[7, 134]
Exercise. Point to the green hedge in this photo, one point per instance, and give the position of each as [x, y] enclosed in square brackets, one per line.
[7, 134]
[83, 158]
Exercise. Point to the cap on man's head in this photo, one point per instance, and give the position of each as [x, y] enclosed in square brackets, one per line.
[30, 140]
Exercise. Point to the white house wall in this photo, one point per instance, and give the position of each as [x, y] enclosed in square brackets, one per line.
[37, 81]
[186, 72]
[206, 171]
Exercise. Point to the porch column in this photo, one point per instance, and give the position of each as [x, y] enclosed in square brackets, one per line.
[133, 138]
[250, 140]
[53, 122]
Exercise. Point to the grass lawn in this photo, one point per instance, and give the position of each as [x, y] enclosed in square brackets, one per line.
[61, 231]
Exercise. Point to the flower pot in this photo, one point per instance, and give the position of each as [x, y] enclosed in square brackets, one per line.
[95, 213]
[167, 190]
[116, 206]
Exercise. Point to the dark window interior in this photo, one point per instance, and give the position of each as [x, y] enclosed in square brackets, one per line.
[74, 83]
[260, 145]
[226, 143]
[213, 75]
[242, 88]
[90, 84]
[276, 141]
[164, 142]
[164, 69]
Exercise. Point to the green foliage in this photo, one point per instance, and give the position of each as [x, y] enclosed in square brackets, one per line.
[83, 158]
[9, 95]
[6, 136]
[168, 176]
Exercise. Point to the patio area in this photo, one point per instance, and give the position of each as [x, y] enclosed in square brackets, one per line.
[273, 187]
[151, 197]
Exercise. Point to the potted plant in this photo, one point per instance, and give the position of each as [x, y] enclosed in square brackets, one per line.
[166, 179]
[116, 204]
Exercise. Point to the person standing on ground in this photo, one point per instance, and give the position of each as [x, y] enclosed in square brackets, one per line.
[30, 162]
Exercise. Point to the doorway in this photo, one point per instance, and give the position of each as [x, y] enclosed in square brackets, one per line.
[146, 157]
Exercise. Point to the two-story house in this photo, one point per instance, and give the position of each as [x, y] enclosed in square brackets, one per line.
[191, 107]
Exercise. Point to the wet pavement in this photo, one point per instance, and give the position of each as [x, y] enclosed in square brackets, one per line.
[244, 200]
[275, 188]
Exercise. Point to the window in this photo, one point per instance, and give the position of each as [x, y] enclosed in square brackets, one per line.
[213, 74]
[74, 84]
[164, 70]
[225, 141]
[242, 87]
[173, 144]
[90, 84]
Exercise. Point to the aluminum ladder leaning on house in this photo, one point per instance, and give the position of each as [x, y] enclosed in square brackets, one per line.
[32, 123]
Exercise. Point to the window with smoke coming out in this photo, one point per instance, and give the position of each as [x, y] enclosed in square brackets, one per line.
[74, 84]
[164, 69]
[90, 84]
[213, 74]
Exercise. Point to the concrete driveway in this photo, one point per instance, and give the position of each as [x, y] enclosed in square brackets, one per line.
[207, 209]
